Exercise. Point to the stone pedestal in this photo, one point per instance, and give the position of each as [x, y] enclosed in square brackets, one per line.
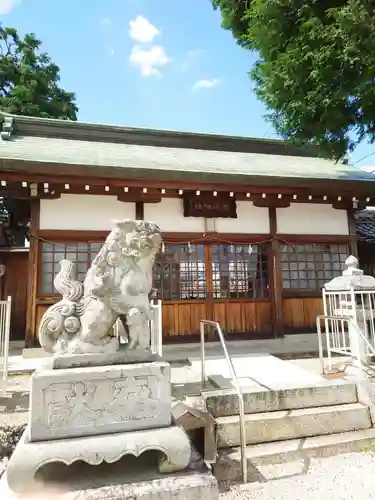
[28, 457]
[101, 408]
[97, 414]
[97, 400]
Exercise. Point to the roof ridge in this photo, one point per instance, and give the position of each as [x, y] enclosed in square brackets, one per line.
[75, 130]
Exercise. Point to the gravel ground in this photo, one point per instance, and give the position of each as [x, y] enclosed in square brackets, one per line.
[342, 477]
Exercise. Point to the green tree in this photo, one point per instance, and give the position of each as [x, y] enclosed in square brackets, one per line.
[316, 66]
[29, 80]
[29, 85]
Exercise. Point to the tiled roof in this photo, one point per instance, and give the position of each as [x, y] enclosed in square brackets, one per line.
[365, 223]
[136, 161]
[107, 151]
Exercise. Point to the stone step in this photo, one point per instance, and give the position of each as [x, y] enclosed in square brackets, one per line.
[293, 424]
[263, 459]
[14, 418]
[14, 401]
[221, 403]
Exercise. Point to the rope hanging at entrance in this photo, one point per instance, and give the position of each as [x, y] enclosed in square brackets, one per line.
[214, 239]
[204, 238]
[211, 239]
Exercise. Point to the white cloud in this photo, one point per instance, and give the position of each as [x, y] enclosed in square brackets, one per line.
[192, 57]
[149, 61]
[142, 31]
[206, 84]
[7, 5]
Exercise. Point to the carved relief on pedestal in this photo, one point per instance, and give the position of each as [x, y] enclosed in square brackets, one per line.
[89, 401]
[76, 404]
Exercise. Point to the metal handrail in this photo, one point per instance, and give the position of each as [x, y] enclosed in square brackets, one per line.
[5, 312]
[241, 405]
[322, 317]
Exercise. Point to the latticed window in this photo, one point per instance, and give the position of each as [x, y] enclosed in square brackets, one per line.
[81, 254]
[311, 266]
[239, 271]
[180, 272]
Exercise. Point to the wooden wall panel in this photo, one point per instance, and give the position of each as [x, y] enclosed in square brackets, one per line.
[182, 318]
[15, 285]
[40, 310]
[300, 313]
[249, 317]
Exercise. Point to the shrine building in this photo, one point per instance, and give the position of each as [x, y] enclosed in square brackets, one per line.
[252, 228]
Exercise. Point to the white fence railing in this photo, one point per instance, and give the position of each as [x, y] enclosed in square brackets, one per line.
[5, 309]
[359, 306]
[344, 337]
[156, 328]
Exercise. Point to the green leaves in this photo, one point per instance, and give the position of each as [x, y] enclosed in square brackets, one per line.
[316, 67]
[29, 79]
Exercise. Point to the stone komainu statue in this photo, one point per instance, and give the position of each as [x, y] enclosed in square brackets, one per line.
[117, 285]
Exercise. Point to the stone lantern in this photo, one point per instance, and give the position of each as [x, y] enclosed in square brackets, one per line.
[351, 298]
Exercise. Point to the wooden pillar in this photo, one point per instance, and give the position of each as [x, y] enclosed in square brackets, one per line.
[32, 275]
[353, 233]
[3, 277]
[139, 210]
[276, 281]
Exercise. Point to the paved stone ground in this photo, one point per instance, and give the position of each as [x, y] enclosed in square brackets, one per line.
[342, 477]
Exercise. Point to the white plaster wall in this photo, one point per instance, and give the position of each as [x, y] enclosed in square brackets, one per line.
[169, 215]
[312, 218]
[83, 212]
[250, 220]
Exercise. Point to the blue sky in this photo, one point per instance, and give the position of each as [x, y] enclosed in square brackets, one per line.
[163, 64]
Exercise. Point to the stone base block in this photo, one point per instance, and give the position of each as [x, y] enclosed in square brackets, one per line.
[190, 486]
[28, 458]
[97, 400]
[121, 357]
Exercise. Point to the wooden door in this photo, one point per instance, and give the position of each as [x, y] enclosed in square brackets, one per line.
[15, 285]
[221, 282]
[240, 289]
[181, 281]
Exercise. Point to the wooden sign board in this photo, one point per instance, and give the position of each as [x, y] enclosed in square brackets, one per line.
[210, 207]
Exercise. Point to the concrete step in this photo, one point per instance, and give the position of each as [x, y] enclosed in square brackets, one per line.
[263, 459]
[293, 424]
[221, 403]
